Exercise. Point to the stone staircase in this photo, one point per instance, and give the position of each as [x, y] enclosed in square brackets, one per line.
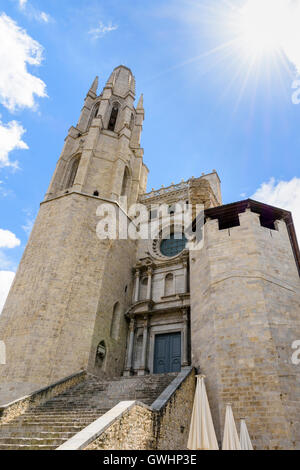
[49, 425]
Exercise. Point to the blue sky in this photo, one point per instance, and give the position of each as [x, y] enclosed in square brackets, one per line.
[209, 104]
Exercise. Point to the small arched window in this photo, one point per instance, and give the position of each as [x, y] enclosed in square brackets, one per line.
[169, 284]
[94, 113]
[100, 354]
[144, 288]
[113, 117]
[72, 172]
[126, 181]
[131, 122]
[115, 322]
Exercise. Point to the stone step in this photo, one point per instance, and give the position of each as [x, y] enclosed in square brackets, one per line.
[40, 419]
[31, 441]
[39, 422]
[67, 413]
[41, 435]
[47, 426]
[26, 447]
[38, 431]
[94, 400]
[62, 417]
[37, 428]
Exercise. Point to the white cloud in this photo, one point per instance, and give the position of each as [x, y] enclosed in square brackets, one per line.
[7, 263]
[33, 13]
[7, 266]
[102, 29]
[22, 3]
[18, 87]
[30, 218]
[10, 139]
[6, 280]
[44, 17]
[28, 226]
[4, 191]
[283, 194]
[8, 239]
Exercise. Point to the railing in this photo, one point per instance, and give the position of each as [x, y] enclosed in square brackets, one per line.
[162, 191]
[18, 407]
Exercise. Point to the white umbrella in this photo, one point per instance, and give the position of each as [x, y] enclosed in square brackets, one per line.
[202, 433]
[244, 436]
[231, 439]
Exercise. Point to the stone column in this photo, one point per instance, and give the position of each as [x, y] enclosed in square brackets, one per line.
[185, 317]
[130, 342]
[185, 275]
[137, 286]
[149, 287]
[143, 367]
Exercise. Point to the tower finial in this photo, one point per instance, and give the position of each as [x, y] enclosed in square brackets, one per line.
[94, 86]
[141, 102]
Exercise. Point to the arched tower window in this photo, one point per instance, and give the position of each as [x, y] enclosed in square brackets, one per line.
[94, 113]
[72, 172]
[113, 117]
[169, 284]
[126, 181]
[115, 322]
[131, 122]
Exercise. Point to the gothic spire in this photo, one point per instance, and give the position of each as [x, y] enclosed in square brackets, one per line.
[140, 105]
[94, 86]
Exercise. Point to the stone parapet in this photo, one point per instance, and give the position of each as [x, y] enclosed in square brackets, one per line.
[10, 411]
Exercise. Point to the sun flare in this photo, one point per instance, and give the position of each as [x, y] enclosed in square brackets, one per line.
[263, 25]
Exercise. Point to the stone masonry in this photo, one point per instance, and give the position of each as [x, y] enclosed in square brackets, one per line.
[48, 425]
[245, 316]
[82, 303]
[61, 303]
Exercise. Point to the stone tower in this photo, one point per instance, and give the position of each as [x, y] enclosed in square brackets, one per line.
[70, 283]
[154, 306]
[245, 306]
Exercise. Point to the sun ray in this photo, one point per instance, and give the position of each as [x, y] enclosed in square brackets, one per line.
[215, 50]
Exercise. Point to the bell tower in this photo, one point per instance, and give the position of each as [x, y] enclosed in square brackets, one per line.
[69, 284]
[102, 154]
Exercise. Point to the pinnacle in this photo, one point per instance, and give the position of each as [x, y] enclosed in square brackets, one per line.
[94, 86]
[141, 102]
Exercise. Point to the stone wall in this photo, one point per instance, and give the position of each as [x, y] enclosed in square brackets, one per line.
[173, 421]
[116, 287]
[19, 407]
[133, 431]
[66, 280]
[244, 318]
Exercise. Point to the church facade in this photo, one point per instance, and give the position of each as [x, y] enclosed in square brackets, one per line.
[125, 307]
